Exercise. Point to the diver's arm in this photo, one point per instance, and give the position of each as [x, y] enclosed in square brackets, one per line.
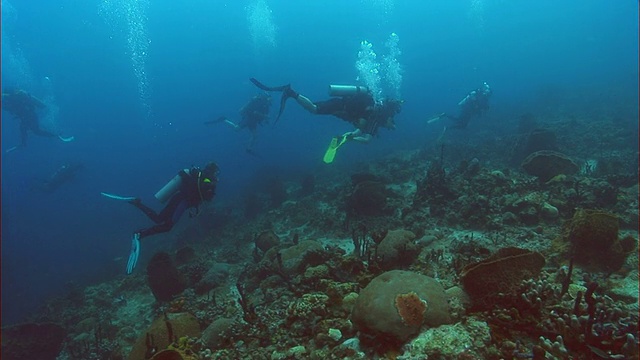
[359, 136]
[232, 124]
[187, 177]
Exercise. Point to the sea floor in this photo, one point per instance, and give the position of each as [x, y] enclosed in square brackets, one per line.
[405, 257]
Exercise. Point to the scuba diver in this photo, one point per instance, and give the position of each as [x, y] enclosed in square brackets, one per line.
[24, 106]
[352, 103]
[64, 174]
[252, 114]
[187, 190]
[475, 104]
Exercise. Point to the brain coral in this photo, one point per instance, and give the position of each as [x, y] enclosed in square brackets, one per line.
[398, 303]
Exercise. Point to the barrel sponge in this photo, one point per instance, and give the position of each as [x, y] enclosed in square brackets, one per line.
[163, 331]
[501, 273]
[398, 303]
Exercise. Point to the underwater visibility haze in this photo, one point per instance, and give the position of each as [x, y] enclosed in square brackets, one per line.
[514, 145]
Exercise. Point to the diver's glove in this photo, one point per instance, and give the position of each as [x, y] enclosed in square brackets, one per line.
[135, 252]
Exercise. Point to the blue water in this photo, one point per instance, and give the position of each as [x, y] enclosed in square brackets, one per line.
[134, 132]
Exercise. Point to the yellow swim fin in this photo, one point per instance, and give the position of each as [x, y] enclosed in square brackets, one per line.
[330, 154]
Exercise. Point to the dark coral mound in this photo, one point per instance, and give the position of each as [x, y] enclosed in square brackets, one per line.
[369, 196]
[163, 277]
[32, 341]
[546, 164]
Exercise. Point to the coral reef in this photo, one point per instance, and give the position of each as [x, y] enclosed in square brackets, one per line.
[537, 263]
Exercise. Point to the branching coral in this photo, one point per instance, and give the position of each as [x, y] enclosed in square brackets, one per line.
[588, 323]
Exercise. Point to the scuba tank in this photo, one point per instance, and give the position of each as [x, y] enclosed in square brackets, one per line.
[346, 90]
[469, 96]
[170, 188]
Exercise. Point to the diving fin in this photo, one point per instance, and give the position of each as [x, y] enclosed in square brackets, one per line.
[268, 88]
[66, 139]
[135, 252]
[283, 102]
[116, 197]
[334, 145]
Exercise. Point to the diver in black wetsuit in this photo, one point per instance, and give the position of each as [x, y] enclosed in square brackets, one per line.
[354, 104]
[64, 174]
[252, 114]
[195, 187]
[475, 104]
[187, 190]
[24, 107]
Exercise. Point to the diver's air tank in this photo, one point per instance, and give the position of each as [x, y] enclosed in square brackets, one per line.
[346, 90]
[170, 188]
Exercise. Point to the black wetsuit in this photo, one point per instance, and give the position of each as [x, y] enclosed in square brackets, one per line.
[188, 196]
[353, 109]
[255, 112]
[64, 174]
[473, 107]
[24, 107]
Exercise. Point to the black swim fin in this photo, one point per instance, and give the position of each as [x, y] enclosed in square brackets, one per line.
[268, 88]
[283, 102]
[286, 93]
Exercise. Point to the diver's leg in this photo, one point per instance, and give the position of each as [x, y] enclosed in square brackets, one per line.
[461, 121]
[306, 103]
[174, 210]
[151, 214]
[156, 229]
[40, 132]
[252, 142]
[167, 217]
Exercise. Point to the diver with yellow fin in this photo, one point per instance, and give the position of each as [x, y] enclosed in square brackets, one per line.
[352, 103]
[187, 190]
